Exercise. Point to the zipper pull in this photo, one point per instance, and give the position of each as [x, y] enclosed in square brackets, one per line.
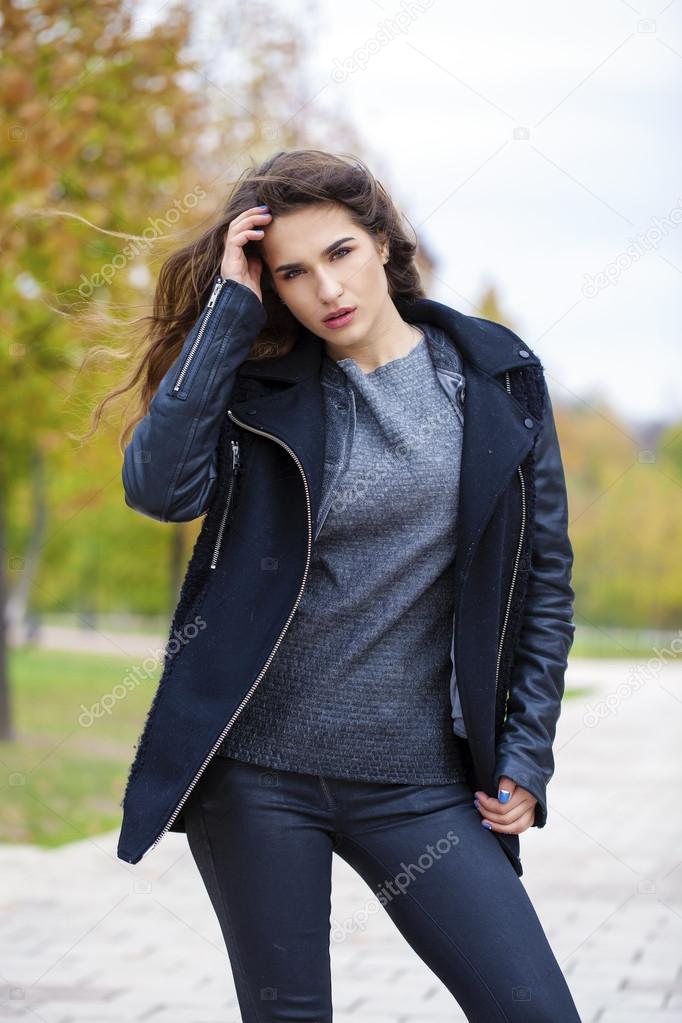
[235, 455]
[214, 294]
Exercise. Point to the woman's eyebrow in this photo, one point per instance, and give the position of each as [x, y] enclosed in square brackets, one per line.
[325, 252]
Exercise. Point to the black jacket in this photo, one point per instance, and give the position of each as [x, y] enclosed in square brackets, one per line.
[241, 441]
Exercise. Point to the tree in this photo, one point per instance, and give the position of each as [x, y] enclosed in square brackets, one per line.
[100, 128]
[117, 148]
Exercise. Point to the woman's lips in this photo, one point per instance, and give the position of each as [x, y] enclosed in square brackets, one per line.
[340, 321]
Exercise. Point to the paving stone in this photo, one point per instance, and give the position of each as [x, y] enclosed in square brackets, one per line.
[89, 939]
[639, 1016]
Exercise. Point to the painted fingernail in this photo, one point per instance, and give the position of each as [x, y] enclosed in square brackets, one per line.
[504, 795]
[476, 804]
[487, 824]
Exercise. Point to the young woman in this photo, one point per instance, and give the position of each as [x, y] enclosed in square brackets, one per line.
[369, 650]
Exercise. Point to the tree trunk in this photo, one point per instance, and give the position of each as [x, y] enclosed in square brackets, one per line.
[7, 733]
[25, 629]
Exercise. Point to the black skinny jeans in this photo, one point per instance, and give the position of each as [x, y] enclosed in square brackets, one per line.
[263, 841]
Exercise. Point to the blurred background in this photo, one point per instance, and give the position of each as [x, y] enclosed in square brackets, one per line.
[536, 152]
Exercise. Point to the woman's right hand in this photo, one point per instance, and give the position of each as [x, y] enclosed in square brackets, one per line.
[245, 228]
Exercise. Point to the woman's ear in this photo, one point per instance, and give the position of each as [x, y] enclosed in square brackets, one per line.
[382, 246]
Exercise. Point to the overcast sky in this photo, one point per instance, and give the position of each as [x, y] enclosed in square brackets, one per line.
[540, 212]
[535, 147]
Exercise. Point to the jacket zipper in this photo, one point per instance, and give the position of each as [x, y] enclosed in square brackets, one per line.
[265, 667]
[220, 281]
[235, 470]
[516, 562]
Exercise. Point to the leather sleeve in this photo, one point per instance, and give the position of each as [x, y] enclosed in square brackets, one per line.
[524, 750]
[170, 465]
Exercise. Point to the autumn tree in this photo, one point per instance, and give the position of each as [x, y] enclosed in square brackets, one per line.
[98, 131]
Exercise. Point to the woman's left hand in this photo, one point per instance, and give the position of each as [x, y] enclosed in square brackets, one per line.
[512, 816]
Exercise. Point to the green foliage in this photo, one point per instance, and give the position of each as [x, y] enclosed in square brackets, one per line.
[625, 520]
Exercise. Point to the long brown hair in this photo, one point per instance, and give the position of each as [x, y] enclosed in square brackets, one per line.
[288, 180]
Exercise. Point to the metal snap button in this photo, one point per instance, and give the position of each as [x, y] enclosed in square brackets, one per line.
[524, 354]
[528, 422]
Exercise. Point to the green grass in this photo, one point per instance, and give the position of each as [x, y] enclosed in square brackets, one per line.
[614, 642]
[63, 778]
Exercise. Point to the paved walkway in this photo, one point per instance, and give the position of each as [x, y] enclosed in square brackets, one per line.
[86, 937]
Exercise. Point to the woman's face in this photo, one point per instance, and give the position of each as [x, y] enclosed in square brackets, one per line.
[321, 261]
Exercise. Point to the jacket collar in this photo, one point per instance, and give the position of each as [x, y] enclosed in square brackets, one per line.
[489, 346]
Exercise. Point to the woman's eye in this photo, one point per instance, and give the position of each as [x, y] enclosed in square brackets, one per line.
[290, 274]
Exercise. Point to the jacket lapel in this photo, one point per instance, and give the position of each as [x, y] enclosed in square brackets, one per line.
[495, 440]
[294, 414]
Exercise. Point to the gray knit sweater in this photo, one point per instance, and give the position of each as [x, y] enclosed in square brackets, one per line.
[359, 686]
